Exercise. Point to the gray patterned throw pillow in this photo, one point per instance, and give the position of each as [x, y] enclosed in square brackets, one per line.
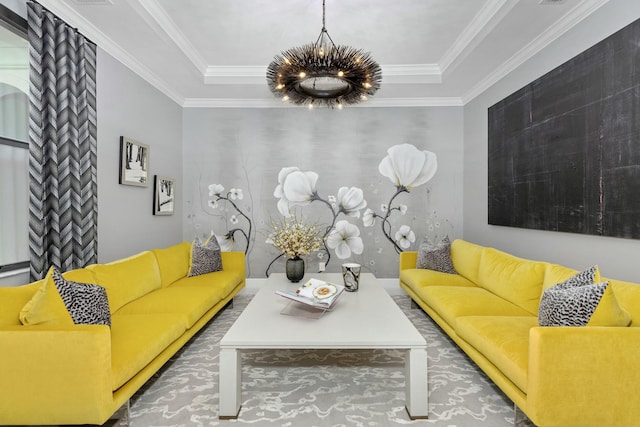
[572, 302]
[87, 303]
[436, 257]
[205, 257]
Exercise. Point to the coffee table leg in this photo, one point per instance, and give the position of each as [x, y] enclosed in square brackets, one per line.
[417, 393]
[230, 388]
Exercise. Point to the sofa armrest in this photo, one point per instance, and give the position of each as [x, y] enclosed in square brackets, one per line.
[55, 374]
[234, 261]
[583, 376]
[408, 259]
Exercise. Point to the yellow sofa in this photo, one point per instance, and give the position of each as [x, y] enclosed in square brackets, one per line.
[82, 374]
[558, 376]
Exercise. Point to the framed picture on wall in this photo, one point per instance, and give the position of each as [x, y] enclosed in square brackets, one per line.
[134, 162]
[164, 195]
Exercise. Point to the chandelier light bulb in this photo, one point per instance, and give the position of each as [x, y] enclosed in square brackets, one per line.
[333, 75]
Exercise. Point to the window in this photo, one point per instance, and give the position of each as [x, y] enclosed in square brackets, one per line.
[14, 136]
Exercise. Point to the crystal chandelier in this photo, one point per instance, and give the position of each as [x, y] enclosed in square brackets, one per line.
[323, 73]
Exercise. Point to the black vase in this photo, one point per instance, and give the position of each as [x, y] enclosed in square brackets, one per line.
[295, 269]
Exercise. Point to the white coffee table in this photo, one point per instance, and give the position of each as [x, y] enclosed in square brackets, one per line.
[366, 319]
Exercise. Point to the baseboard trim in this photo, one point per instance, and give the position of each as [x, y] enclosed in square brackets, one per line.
[390, 285]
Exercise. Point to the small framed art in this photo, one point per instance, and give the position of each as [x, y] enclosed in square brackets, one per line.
[134, 162]
[164, 195]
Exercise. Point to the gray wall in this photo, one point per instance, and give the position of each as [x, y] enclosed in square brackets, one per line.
[617, 258]
[129, 106]
[246, 148]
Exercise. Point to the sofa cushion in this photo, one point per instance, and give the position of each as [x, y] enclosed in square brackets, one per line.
[628, 296]
[416, 278]
[453, 302]
[576, 304]
[136, 339]
[12, 301]
[466, 258]
[436, 256]
[193, 302]
[556, 273]
[173, 262]
[503, 340]
[205, 257]
[225, 281]
[515, 279]
[46, 307]
[86, 303]
[128, 279]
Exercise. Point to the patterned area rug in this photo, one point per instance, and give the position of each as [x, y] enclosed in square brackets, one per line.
[320, 388]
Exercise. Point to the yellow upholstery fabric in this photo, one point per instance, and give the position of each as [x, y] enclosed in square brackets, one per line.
[556, 273]
[453, 302]
[136, 339]
[224, 280]
[558, 376]
[234, 261]
[583, 376]
[53, 374]
[173, 262]
[46, 306]
[628, 297]
[466, 258]
[13, 299]
[192, 303]
[503, 340]
[408, 260]
[515, 279]
[608, 312]
[416, 278]
[128, 279]
[80, 275]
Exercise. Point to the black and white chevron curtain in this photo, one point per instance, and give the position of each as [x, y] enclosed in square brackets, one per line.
[63, 204]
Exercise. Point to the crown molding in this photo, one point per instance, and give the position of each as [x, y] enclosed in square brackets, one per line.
[109, 46]
[275, 103]
[491, 14]
[568, 21]
[256, 74]
[167, 25]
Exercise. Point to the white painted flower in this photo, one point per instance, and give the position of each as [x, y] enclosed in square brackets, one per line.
[234, 219]
[212, 204]
[283, 203]
[236, 194]
[369, 217]
[215, 190]
[403, 209]
[408, 167]
[405, 236]
[332, 199]
[384, 207]
[344, 239]
[295, 188]
[300, 187]
[226, 242]
[351, 201]
[269, 239]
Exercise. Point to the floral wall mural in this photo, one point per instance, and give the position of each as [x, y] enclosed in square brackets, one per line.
[370, 183]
